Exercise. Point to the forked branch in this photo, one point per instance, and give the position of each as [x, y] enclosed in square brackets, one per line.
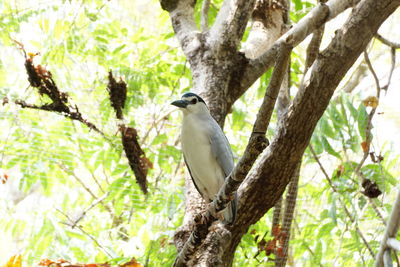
[42, 79]
[257, 143]
[231, 21]
[182, 18]
[317, 17]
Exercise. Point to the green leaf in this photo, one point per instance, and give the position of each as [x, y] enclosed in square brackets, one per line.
[326, 129]
[317, 144]
[328, 148]
[338, 119]
[362, 119]
[160, 139]
[318, 252]
[118, 49]
[238, 119]
[90, 15]
[116, 187]
[325, 230]
[352, 109]
[332, 209]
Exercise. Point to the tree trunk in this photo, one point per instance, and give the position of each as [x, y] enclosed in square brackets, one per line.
[221, 74]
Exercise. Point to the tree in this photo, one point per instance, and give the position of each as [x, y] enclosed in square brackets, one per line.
[222, 73]
[91, 169]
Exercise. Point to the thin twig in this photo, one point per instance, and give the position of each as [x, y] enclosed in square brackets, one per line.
[204, 14]
[154, 124]
[84, 186]
[42, 80]
[358, 74]
[95, 241]
[94, 203]
[78, 179]
[88, 167]
[368, 134]
[340, 246]
[371, 69]
[84, 232]
[146, 264]
[130, 214]
[96, 181]
[376, 209]
[385, 41]
[392, 66]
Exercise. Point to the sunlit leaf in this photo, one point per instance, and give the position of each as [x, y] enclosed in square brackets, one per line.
[362, 119]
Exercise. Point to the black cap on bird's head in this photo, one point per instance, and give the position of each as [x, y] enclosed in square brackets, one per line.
[188, 99]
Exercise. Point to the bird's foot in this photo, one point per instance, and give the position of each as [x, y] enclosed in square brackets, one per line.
[199, 218]
[220, 216]
[214, 227]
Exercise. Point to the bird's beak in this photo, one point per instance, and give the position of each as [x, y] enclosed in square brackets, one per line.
[180, 103]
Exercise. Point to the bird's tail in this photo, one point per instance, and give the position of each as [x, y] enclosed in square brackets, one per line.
[230, 212]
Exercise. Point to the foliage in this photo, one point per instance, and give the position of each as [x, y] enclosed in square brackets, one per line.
[62, 166]
[68, 192]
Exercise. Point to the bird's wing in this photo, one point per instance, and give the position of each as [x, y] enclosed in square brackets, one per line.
[221, 149]
[191, 176]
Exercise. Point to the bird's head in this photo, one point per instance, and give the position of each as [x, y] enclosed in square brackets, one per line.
[191, 103]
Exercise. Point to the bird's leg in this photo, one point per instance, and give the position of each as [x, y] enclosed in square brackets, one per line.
[199, 218]
[219, 215]
[214, 226]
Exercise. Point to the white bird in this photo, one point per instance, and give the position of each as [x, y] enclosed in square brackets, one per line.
[206, 151]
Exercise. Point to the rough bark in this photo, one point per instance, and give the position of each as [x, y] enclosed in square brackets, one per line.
[279, 160]
[221, 75]
[256, 144]
[267, 26]
[254, 68]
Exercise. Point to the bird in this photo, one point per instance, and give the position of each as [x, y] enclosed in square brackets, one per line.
[206, 151]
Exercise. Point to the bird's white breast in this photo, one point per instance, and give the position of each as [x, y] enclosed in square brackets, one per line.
[196, 148]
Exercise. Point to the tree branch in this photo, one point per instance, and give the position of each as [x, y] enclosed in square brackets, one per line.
[277, 163]
[392, 66]
[371, 189]
[308, 24]
[182, 19]
[85, 211]
[230, 24]
[355, 78]
[256, 144]
[205, 6]
[313, 47]
[391, 230]
[42, 79]
[291, 195]
[84, 232]
[387, 42]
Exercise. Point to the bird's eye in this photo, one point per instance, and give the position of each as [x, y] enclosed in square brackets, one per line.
[193, 101]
